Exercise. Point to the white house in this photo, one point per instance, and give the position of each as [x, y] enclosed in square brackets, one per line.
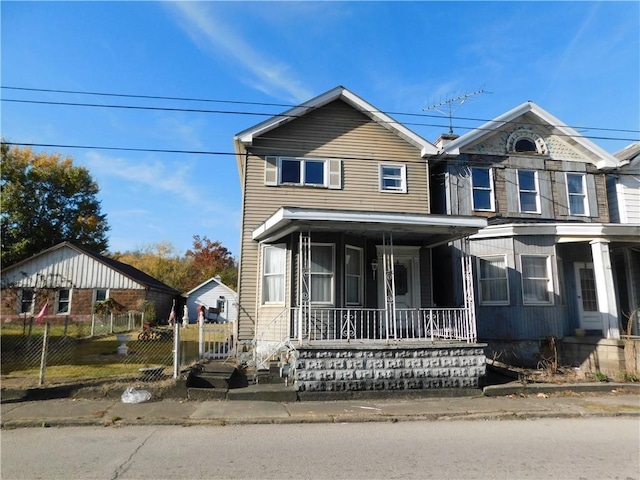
[220, 301]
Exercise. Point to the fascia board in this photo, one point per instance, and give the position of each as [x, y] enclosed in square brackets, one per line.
[246, 137]
[286, 215]
[575, 231]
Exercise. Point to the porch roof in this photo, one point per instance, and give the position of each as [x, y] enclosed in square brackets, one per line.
[429, 230]
[566, 232]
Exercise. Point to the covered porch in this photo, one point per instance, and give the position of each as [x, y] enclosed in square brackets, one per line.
[359, 278]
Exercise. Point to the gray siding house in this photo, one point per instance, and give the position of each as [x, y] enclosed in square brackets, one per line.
[543, 265]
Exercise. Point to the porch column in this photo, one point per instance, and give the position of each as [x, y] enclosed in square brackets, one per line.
[604, 288]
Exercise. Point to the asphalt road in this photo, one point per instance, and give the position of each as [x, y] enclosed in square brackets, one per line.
[589, 448]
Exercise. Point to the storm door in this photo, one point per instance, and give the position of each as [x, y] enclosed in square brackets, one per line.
[590, 318]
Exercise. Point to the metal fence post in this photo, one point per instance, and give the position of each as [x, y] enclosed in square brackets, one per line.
[176, 349]
[43, 357]
[93, 324]
[111, 322]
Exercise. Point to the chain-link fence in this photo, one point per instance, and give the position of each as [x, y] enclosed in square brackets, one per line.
[106, 348]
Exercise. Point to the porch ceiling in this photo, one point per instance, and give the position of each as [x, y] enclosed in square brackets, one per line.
[425, 229]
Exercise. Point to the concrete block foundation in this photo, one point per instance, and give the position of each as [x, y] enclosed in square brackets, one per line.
[409, 367]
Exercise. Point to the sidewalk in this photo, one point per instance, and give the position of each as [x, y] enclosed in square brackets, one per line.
[504, 402]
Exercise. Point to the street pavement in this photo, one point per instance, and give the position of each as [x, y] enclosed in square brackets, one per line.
[499, 402]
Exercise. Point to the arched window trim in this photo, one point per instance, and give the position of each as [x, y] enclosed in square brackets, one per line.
[521, 134]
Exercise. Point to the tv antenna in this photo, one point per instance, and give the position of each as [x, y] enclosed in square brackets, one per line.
[453, 104]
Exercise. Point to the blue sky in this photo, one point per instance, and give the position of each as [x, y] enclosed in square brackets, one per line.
[578, 60]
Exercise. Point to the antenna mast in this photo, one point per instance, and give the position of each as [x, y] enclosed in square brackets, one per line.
[453, 104]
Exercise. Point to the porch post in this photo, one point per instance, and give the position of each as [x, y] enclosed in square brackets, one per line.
[304, 290]
[389, 285]
[605, 288]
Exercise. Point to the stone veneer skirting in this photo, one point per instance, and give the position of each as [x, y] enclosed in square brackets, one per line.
[366, 367]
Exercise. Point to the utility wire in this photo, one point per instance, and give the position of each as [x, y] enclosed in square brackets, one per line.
[237, 102]
[229, 112]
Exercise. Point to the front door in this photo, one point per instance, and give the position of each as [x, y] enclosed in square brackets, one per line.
[590, 318]
[406, 269]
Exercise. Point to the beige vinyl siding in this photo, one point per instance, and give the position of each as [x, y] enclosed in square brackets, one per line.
[333, 131]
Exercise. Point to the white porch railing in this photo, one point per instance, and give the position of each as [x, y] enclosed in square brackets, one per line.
[362, 324]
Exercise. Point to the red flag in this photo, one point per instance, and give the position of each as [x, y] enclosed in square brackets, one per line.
[42, 313]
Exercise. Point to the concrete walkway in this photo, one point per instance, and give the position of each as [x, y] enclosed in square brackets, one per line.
[504, 402]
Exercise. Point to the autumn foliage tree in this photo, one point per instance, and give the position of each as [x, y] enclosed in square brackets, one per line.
[46, 200]
[184, 272]
[210, 258]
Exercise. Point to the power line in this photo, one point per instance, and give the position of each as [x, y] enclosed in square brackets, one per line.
[454, 161]
[238, 102]
[229, 112]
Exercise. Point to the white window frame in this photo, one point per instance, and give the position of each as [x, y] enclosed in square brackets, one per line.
[584, 194]
[482, 281]
[303, 161]
[95, 294]
[490, 189]
[280, 273]
[402, 178]
[360, 275]
[548, 279]
[536, 191]
[59, 302]
[332, 275]
[21, 302]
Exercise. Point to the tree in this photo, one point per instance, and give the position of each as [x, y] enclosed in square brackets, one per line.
[211, 259]
[46, 200]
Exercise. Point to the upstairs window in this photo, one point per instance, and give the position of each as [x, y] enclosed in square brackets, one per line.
[525, 145]
[304, 172]
[27, 296]
[577, 194]
[393, 178]
[528, 191]
[300, 171]
[63, 301]
[482, 186]
[494, 286]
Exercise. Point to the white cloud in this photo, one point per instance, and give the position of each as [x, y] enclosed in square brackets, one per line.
[269, 75]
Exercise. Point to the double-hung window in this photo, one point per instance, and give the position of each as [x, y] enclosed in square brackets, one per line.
[321, 274]
[537, 286]
[528, 191]
[26, 300]
[63, 301]
[393, 177]
[273, 270]
[482, 186]
[494, 286]
[353, 274]
[577, 194]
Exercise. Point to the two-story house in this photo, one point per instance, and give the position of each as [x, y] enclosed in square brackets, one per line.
[336, 251]
[543, 263]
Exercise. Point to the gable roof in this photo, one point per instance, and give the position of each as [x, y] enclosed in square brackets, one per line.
[211, 280]
[603, 158]
[246, 137]
[629, 156]
[123, 268]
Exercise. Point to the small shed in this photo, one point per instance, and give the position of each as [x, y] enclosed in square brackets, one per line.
[220, 301]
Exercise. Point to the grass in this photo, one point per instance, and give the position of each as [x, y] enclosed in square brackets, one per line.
[71, 358]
